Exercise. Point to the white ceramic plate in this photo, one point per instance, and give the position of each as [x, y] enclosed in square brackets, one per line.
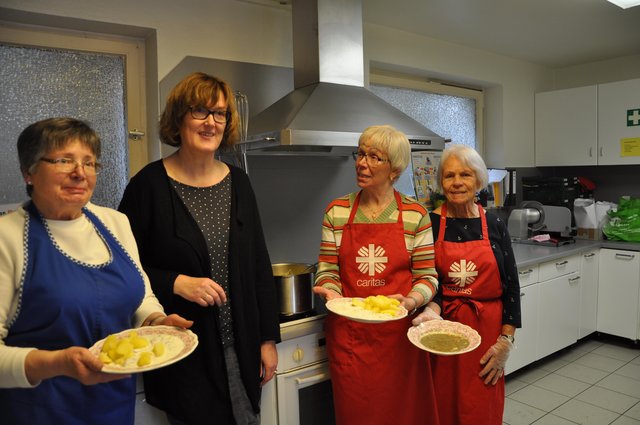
[343, 307]
[178, 342]
[415, 334]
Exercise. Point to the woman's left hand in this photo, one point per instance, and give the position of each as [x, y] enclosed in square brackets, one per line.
[171, 320]
[495, 360]
[269, 358]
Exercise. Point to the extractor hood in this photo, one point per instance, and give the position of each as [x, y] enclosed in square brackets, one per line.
[329, 107]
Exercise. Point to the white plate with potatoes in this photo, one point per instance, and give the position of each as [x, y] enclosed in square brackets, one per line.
[372, 309]
[143, 349]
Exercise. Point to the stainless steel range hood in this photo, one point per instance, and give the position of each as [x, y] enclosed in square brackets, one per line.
[330, 107]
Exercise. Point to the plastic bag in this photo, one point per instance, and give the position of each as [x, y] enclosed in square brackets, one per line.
[624, 223]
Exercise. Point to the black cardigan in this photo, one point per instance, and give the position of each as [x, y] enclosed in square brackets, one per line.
[170, 242]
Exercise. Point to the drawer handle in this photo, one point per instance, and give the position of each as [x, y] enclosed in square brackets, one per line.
[522, 294]
[626, 256]
[574, 279]
[590, 255]
[562, 263]
[526, 272]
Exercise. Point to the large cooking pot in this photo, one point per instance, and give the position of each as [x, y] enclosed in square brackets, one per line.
[294, 283]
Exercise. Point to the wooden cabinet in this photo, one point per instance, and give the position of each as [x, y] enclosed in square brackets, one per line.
[588, 307]
[619, 293]
[585, 125]
[558, 305]
[566, 127]
[526, 336]
[617, 120]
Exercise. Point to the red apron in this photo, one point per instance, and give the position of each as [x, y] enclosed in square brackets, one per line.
[472, 292]
[378, 376]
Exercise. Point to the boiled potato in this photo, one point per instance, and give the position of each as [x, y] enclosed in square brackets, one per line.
[144, 359]
[379, 304]
[120, 349]
[158, 349]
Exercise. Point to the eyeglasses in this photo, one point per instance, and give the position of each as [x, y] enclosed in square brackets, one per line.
[68, 165]
[201, 113]
[371, 159]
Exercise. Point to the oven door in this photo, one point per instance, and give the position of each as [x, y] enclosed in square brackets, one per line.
[305, 396]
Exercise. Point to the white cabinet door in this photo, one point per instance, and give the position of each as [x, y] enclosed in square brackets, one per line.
[588, 293]
[558, 313]
[619, 293]
[526, 337]
[618, 118]
[566, 127]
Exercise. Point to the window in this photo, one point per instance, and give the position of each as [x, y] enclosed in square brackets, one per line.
[452, 112]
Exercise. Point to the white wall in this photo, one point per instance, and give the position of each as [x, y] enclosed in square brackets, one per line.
[247, 32]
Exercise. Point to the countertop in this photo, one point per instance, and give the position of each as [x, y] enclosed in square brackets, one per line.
[527, 254]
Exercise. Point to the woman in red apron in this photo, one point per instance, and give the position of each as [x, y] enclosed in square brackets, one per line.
[478, 287]
[378, 376]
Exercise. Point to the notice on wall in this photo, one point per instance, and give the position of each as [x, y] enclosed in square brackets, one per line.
[425, 170]
[630, 146]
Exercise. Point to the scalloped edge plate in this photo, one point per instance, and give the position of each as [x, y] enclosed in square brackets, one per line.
[182, 342]
[415, 334]
[342, 307]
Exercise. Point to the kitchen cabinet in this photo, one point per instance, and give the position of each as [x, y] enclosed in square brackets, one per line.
[566, 127]
[526, 336]
[588, 293]
[615, 100]
[619, 293]
[558, 304]
[585, 125]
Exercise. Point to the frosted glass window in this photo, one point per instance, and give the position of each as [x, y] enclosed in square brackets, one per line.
[452, 117]
[38, 83]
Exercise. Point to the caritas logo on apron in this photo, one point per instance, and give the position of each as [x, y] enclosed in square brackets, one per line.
[461, 274]
[371, 260]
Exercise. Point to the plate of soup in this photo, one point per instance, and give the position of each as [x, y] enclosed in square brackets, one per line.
[444, 337]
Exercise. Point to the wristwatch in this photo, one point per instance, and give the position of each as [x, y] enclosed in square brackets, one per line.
[509, 337]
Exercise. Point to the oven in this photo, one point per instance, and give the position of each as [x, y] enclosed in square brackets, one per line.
[300, 393]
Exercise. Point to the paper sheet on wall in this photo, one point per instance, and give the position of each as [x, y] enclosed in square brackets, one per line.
[425, 168]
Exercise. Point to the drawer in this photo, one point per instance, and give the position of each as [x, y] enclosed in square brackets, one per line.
[528, 275]
[559, 267]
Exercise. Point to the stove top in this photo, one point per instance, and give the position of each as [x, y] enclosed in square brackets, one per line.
[285, 318]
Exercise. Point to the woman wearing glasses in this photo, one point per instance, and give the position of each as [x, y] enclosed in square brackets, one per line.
[69, 276]
[378, 376]
[198, 230]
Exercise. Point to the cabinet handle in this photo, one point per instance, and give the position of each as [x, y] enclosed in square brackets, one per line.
[526, 272]
[562, 263]
[590, 152]
[590, 255]
[626, 256]
[574, 279]
[522, 294]
[601, 150]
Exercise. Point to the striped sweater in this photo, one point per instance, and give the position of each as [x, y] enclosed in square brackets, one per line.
[418, 239]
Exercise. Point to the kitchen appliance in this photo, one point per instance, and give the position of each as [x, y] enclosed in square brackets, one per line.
[294, 283]
[329, 107]
[300, 393]
[532, 219]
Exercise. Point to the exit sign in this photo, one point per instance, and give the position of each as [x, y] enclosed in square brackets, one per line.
[633, 117]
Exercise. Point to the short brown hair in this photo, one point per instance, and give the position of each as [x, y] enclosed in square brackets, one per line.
[44, 136]
[197, 90]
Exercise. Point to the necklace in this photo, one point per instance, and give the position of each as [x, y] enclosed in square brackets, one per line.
[373, 213]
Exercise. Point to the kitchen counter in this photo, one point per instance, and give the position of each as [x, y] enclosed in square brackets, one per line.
[527, 254]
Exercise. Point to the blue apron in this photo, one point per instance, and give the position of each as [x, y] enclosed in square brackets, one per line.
[64, 303]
